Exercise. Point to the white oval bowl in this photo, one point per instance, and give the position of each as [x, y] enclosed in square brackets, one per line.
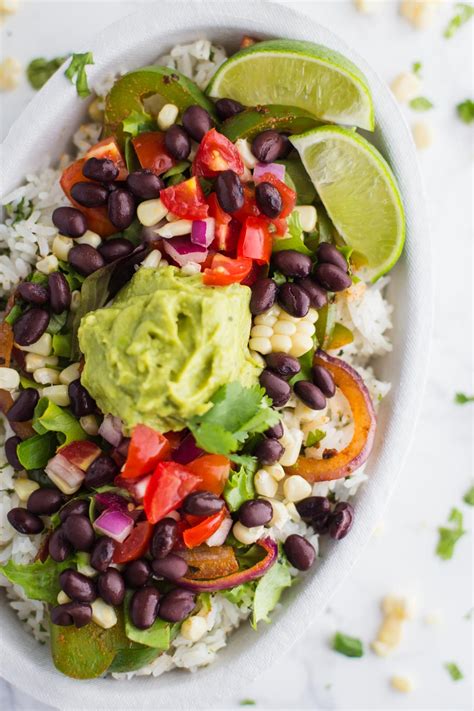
[45, 127]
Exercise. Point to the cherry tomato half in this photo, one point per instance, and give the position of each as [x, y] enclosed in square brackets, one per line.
[196, 535]
[225, 270]
[147, 448]
[213, 471]
[186, 200]
[216, 154]
[135, 545]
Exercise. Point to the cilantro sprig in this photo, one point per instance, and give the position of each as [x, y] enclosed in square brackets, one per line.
[454, 671]
[463, 399]
[421, 103]
[468, 497]
[448, 537]
[348, 646]
[464, 12]
[39, 70]
[76, 72]
[465, 110]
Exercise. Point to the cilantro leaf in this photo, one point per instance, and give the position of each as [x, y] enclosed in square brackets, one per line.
[39, 70]
[269, 589]
[454, 671]
[421, 103]
[136, 122]
[349, 646]
[462, 399]
[40, 581]
[448, 537]
[466, 110]
[468, 497]
[314, 437]
[239, 487]
[463, 15]
[296, 239]
[76, 72]
[247, 702]
[416, 68]
[20, 212]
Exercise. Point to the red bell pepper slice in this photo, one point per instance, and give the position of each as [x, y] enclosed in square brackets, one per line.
[225, 270]
[147, 448]
[151, 152]
[196, 535]
[169, 485]
[135, 545]
[213, 471]
[255, 241]
[288, 196]
[186, 200]
[216, 154]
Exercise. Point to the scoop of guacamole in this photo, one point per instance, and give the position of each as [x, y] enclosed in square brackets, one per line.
[158, 354]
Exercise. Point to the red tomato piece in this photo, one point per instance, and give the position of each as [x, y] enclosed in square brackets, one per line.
[167, 489]
[225, 270]
[288, 196]
[216, 154]
[151, 152]
[249, 208]
[255, 241]
[186, 200]
[147, 448]
[135, 545]
[196, 535]
[213, 471]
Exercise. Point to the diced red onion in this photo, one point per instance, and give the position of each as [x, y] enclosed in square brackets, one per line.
[111, 430]
[274, 168]
[60, 468]
[187, 450]
[203, 231]
[183, 251]
[136, 487]
[115, 524]
[110, 500]
[218, 537]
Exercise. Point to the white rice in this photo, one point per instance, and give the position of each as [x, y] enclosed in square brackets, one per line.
[362, 308]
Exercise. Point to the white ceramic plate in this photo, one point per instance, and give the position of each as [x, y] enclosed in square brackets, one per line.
[45, 127]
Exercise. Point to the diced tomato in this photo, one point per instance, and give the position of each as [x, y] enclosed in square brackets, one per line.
[288, 196]
[109, 148]
[168, 487]
[225, 270]
[249, 208]
[147, 448]
[196, 535]
[186, 200]
[255, 241]
[213, 471]
[135, 545]
[216, 154]
[151, 152]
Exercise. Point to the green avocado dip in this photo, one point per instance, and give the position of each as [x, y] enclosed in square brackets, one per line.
[163, 348]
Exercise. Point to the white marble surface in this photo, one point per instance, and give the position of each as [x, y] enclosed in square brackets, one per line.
[401, 558]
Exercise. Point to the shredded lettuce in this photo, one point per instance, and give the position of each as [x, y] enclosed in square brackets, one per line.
[40, 581]
[239, 487]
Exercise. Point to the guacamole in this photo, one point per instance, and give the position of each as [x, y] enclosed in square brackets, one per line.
[159, 353]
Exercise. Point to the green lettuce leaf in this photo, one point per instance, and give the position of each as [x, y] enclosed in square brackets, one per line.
[269, 589]
[157, 636]
[40, 581]
[296, 239]
[49, 417]
[239, 487]
[35, 452]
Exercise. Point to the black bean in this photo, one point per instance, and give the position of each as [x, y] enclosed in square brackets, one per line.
[176, 605]
[33, 293]
[24, 406]
[121, 208]
[328, 253]
[144, 607]
[299, 552]
[268, 199]
[172, 567]
[340, 521]
[292, 263]
[76, 506]
[89, 194]
[282, 364]
[59, 292]
[85, 259]
[77, 586]
[116, 248]
[70, 221]
[81, 402]
[269, 451]
[79, 532]
[324, 380]
[71, 613]
[275, 432]
[177, 142]
[318, 297]
[45, 502]
[25, 522]
[144, 184]
[256, 512]
[202, 503]
[58, 547]
[229, 191]
[228, 107]
[197, 122]
[310, 394]
[263, 297]
[331, 277]
[11, 445]
[103, 170]
[164, 537]
[315, 510]
[268, 146]
[293, 299]
[30, 326]
[102, 553]
[137, 573]
[111, 587]
[275, 387]
[101, 472]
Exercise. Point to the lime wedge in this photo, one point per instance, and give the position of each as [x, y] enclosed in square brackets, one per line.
[302, 74]
[359, 192]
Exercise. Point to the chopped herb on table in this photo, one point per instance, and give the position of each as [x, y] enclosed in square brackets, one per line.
[464, 12]
[448, 537]
[454, 671]
[468, 497]
[248, 702]
[465, 110]
[421, 103]
[462, 398]
[348, 646]
[76, 72]
[39, 70]
[416, 68]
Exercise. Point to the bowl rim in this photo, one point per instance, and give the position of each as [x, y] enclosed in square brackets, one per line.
[58, 102]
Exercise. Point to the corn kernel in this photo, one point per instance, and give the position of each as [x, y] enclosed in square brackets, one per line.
[9, 379]
[292, 441]
[75, 300]
[423, 134]
[306, 327]
[59, 395]
[312, 316]
[194, 628]
[62, 598]
[293, 512]
[10, 74]
[402, 684]
[48, 265]
[295, 488]
[152, 259]
[281, 344]
[405, 87]
[245, 535]
[308, 217]
[89, 424]
[84, 567]
[284, 328]
[62, 245]
[150, 212]
[102, 614]
[90, 238]
[46, 376]
[34, 361]
[265, 484]
[265, 319]
[300, 345]
[280, 514]
[24, 488]
[167, 116]
[41, 347]
[285, 316]
[175, 229]
[261, 345]
[261, 332]
[69, 374]
[95, 111]
[276, 471]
